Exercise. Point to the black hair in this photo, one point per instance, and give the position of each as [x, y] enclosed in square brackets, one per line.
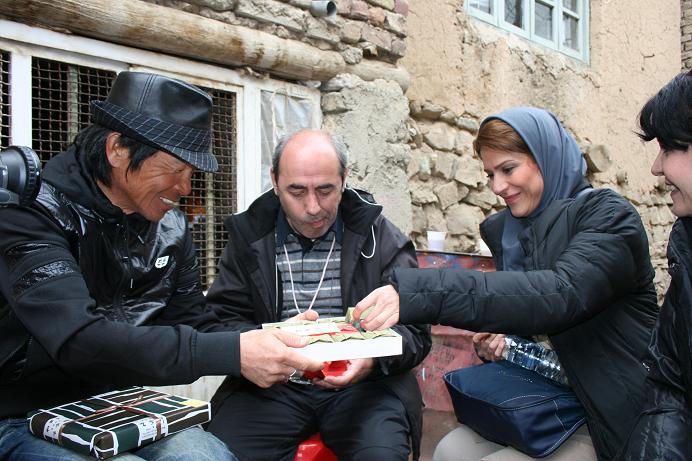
[667, 116]
[92, 144]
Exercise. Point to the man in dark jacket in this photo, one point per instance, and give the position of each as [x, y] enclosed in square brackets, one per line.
[312, 246]
[99, 282]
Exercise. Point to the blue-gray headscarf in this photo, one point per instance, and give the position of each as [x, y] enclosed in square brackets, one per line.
[559, 160]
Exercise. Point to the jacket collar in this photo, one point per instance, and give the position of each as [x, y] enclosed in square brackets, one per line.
[492, 227]
[357, 209]
[69, 174]
[284, 229]
[679, 242]
[491, 233]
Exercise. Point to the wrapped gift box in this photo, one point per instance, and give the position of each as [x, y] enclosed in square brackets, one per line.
[108, 424]
[335, 338]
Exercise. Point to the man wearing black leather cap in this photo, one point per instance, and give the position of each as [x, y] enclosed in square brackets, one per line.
[99, 284]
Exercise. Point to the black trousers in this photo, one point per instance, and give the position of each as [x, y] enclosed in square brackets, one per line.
[364, 422]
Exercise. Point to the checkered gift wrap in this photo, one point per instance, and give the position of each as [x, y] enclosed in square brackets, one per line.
[108, 424]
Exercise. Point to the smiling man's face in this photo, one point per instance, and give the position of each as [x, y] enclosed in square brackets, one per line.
[154, 188]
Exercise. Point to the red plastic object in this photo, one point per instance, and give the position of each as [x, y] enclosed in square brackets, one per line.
[335, 368]
[434, 259]
[313, 449]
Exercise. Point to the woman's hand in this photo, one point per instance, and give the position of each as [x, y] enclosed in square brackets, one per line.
[489, 346]
[384, 302]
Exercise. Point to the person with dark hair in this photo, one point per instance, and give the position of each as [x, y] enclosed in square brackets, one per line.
[573, 273]
[312, 247]
[664, 428]
[99, 283]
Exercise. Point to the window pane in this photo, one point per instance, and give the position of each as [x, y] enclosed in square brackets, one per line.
[483, 5]
[514, 12]
[571, 4]
[281, 114]
[4, 99]
[570, 32]
[544, 21]
[214, 196]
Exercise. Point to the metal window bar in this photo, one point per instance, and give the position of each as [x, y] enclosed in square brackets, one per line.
[214, 195]
[4, 99]
[61, 94]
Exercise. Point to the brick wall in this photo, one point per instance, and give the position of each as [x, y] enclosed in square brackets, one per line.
[686, 33]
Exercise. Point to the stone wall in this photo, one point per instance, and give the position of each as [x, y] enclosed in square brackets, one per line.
[686, 33]
[448, 186]
[372, 29]
[371, 117]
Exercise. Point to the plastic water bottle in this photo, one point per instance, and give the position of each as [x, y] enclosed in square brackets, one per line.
[535, 357]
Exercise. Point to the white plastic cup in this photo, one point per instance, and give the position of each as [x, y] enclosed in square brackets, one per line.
[436, 240]
[483, 248]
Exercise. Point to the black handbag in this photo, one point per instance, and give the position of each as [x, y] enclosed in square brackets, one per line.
[513, 406]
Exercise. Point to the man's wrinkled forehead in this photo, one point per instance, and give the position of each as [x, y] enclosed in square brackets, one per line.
[314, 142]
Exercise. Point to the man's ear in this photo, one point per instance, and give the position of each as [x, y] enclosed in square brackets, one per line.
[117, 155]
[274, 183]
[343, 181]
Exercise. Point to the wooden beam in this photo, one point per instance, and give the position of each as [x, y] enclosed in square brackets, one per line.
[148, 26]
[370, 70]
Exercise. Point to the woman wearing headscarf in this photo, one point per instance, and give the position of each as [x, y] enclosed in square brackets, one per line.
[664, 428]
[573, 271]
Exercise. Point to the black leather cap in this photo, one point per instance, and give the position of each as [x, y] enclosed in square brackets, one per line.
[163, 112]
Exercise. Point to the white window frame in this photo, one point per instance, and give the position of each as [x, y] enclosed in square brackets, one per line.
[497, 19]
[23, 42]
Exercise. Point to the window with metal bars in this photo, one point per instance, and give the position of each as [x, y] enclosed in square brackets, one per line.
[214, 195]
[61, 96]
[4, 99]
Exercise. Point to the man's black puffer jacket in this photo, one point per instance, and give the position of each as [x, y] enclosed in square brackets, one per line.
[92, 298]
[587, 283]
[664, 429]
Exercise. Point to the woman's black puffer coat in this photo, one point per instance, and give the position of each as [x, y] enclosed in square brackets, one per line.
[587, 283]
[664, 429]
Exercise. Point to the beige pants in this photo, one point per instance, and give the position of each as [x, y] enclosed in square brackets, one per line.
[463, 444]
